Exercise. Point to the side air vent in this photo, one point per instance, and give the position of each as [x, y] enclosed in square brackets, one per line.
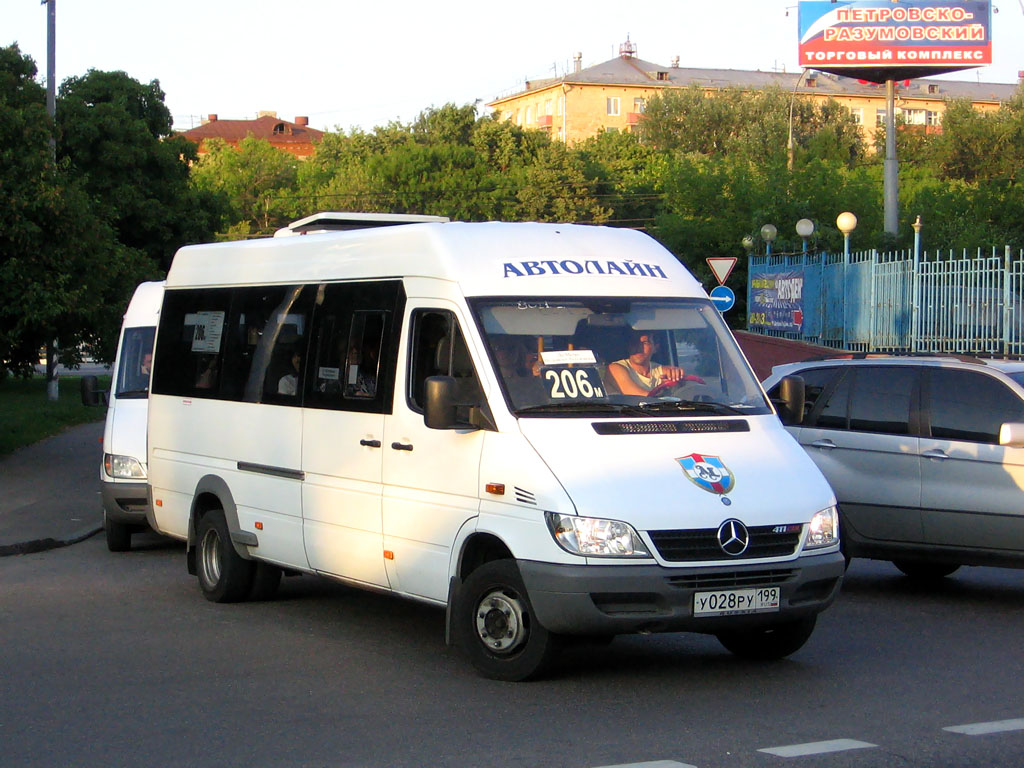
[525, 497]
[660, 427]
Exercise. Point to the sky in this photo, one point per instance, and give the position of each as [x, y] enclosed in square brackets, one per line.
[352, 64]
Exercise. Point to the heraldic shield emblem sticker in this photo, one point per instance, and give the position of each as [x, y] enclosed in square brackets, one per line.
[708, 472]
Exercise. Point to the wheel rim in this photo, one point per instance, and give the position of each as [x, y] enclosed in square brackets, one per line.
[209, 559]
[499, 621]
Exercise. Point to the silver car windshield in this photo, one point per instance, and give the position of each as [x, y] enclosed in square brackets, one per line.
[601, 356]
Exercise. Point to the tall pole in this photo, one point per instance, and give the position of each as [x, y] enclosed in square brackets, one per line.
[891, 188]
[52, 387]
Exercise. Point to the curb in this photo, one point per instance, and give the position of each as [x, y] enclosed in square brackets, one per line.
[44, 545]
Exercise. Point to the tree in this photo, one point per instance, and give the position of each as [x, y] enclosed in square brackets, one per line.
[116, 135]
[62, 272]
[255, 180]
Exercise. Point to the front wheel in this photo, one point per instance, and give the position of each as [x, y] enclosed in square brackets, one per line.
[224, 576]
[916, 569]
[496, 627]
[119, 535]
[769, 643]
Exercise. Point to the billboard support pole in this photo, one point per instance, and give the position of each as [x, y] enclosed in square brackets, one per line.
[891, 188]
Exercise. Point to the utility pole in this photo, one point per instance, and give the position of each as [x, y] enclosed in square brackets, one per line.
[52, 391]
[890, 188]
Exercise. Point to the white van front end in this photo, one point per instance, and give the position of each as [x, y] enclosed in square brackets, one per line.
[679, 526]
[682, 507]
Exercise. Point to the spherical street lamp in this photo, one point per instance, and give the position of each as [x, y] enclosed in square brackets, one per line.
[768, 233]
[805, 228]
[846, 222]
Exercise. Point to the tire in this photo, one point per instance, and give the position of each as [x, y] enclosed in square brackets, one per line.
[769, 643]
[917, 569]
[265, 582]
[496, 628]
[224, 576]
[119, 535]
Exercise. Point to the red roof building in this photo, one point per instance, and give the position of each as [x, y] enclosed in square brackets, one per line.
[295, 138]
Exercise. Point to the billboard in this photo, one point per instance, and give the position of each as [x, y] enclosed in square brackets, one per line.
[776, 300]
[895, 40]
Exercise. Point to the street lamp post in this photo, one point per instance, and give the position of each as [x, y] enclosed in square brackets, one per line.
[915, 317]
[768, 233]
[805, 228]
[846, 222]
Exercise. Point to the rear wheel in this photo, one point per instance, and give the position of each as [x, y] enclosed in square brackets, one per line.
[224, 576]
[119, 535]
[917, 569]
[769, 643]
[496, 627]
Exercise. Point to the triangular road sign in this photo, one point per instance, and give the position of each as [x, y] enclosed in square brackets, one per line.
[722, 267]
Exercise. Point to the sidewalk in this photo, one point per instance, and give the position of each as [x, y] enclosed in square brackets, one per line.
[50, 492]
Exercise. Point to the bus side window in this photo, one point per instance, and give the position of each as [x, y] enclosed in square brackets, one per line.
[440, 349]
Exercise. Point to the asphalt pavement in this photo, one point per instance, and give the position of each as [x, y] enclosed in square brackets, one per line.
[50, 492]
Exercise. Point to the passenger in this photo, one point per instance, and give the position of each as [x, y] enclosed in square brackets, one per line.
[637, 374]
[520, 370]
[289, 383]
[362, 371]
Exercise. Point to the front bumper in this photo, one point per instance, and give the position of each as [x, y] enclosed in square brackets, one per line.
[622, 599]
[125, 502]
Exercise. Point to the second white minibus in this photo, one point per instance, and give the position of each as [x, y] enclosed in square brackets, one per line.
[547, 429]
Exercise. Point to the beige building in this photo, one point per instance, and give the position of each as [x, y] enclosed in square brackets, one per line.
[611, 96]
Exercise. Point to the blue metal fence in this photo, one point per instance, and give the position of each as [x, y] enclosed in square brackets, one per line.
[892, 302]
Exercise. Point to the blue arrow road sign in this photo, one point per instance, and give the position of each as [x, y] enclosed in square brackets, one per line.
[723, 298]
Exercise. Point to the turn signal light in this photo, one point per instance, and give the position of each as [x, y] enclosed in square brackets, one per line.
[498, 489]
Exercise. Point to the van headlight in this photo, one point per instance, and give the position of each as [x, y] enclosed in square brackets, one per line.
[595, 537]
[123, 467]
[823, 530]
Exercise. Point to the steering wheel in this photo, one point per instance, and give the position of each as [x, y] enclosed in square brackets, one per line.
[670, 386]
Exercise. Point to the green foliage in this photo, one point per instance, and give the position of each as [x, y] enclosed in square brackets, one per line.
[115, 134]
[254, 181]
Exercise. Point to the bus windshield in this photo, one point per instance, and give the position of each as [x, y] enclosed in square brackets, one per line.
[609, 356]
[136, 362]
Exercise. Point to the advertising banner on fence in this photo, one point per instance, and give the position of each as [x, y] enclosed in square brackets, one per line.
[777, 301]
[906, 37]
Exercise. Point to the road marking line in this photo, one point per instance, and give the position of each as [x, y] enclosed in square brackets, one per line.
[981, 729]
[654, 764]
[817, 748]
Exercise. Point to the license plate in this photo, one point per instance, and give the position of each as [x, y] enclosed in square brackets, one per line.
[728, 602]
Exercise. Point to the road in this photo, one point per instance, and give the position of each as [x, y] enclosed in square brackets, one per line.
[117, 660]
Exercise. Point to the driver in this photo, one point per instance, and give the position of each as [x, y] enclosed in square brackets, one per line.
[637, 374]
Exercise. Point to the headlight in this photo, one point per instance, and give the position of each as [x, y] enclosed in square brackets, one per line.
[123, 467]
[594, 537]
[823, 530]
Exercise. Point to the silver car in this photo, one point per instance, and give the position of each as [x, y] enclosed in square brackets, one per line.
[925, 455]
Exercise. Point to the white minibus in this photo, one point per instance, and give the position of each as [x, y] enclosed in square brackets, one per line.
[547, 429]
[123, 469]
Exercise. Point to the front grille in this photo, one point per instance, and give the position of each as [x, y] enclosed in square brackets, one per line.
[729, 579]
[701, 545]
[670, 427]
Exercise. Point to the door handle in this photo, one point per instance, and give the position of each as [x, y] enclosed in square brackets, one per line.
[826, 443]
[370, 443]
[935, 453]
[402, 446]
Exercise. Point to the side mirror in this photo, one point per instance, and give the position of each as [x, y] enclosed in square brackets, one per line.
[1012, 434]
[92, 395]
[439, 410]
[792, 394]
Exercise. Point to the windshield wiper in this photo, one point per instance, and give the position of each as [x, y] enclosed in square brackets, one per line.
[656, 406]
[578, 407]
